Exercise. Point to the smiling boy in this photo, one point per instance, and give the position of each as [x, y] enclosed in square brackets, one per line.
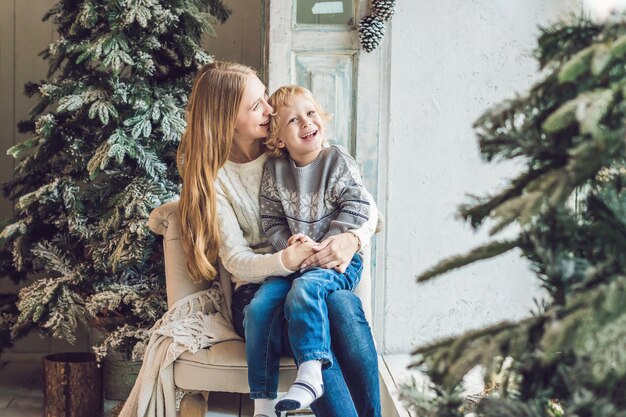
[309, 193]
[309, 190]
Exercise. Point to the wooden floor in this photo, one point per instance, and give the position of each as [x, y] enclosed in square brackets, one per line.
[21, 394]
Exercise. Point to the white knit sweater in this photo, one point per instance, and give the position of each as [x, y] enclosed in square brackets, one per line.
[244, 249]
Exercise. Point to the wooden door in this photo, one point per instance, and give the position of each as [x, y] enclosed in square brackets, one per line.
[314, 43]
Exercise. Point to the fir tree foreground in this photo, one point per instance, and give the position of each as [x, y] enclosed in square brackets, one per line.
[99, 157]
[569, 357]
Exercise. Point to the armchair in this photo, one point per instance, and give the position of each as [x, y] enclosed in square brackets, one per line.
[221, 367]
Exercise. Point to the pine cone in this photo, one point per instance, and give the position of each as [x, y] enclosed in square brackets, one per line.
[384, 9]
[371, 31]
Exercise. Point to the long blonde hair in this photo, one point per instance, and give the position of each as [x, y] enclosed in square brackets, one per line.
[204, 148]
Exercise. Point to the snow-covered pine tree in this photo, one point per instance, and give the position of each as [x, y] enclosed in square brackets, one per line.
[569, 357]
[99, 157]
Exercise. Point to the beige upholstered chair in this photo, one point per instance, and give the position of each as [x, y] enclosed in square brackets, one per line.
[223, 366]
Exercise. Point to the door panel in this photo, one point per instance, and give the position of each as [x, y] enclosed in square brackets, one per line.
[315, 12]
[313, 43]
[330, 79]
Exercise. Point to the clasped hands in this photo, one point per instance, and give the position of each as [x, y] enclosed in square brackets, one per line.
[334, 252]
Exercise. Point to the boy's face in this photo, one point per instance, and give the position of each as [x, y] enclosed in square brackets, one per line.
[301, 130]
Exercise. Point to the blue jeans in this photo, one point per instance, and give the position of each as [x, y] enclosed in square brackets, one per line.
[306, 311]
[354, 390]
[303, 298]
[352, 386]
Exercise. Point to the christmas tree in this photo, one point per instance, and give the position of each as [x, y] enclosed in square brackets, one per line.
[100, 155]
[569, 357]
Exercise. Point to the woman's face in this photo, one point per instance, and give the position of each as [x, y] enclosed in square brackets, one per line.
[253, 117]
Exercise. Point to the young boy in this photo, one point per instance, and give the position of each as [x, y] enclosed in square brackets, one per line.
[308, 193]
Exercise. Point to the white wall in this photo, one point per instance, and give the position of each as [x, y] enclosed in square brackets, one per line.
[450, 61]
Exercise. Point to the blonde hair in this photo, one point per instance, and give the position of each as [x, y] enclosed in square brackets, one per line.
[204, 148]
[282, 97]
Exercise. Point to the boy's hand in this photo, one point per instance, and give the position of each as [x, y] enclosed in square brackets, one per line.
[300, 238]
[335, 252]
[294, 238]
[293, 255]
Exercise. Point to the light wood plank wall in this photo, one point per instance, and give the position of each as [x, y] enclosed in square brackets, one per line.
[241, 37]
[23, 35]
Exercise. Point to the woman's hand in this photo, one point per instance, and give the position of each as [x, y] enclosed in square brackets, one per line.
[293, 256]
[336, 252]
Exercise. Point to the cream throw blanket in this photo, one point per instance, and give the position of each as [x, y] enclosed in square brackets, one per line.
[193, 323]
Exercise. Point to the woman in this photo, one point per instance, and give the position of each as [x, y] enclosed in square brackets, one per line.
[221, 158]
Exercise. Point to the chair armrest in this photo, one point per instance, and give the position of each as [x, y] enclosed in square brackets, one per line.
[364, 289]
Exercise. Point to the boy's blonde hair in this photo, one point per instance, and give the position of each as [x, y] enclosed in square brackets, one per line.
[282, 97]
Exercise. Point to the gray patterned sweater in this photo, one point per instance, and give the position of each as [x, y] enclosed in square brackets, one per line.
[321, 199]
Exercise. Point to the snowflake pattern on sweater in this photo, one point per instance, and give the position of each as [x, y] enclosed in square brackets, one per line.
[321, 199]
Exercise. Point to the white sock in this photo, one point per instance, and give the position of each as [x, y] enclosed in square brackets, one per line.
[308, 387]
[264, 407]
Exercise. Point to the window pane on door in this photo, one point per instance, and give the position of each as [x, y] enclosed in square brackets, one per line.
[325, 12]
[330, 78]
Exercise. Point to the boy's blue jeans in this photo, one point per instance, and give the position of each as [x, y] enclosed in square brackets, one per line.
[302, 298]
[353, 389]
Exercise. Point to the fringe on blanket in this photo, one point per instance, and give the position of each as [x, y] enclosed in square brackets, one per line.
[192, 323]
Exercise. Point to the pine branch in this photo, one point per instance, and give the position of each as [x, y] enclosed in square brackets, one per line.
[511, 408]
[219, 10]
[563, 39]
[482, 252]
[476, 212]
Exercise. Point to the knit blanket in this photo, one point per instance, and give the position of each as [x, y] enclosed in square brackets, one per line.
[193, 323]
